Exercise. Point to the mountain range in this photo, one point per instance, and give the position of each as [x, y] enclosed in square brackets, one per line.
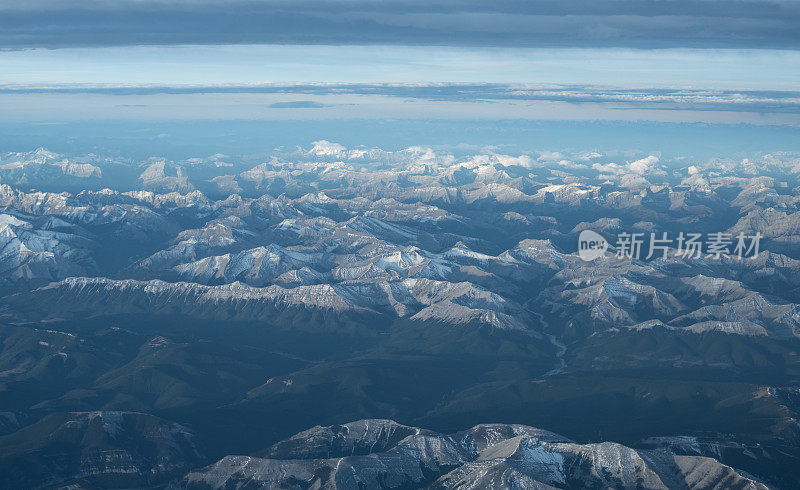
[176, 322]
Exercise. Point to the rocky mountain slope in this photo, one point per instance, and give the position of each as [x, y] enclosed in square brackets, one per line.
[384, 454]
[100, 447]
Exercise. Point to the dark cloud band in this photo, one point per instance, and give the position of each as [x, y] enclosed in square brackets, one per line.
[622, 23]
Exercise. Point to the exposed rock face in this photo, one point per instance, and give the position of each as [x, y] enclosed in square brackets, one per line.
[423, 299]
[31, 254]
[384, 454]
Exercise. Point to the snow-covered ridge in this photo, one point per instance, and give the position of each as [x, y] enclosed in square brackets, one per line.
[421, 299]
[384, 454]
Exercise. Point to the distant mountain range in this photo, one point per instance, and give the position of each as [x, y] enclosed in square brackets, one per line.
[215, 306]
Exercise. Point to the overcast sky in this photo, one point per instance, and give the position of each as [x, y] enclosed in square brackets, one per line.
[715, 50]
[577, 23]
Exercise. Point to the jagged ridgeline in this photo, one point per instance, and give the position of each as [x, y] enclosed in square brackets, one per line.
[158, 317]
[384, 454]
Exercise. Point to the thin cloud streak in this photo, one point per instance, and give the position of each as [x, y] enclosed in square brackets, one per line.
[27, 107]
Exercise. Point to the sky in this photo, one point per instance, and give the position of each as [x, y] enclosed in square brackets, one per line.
[510, 23]
[719, 62]
[251, 64]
